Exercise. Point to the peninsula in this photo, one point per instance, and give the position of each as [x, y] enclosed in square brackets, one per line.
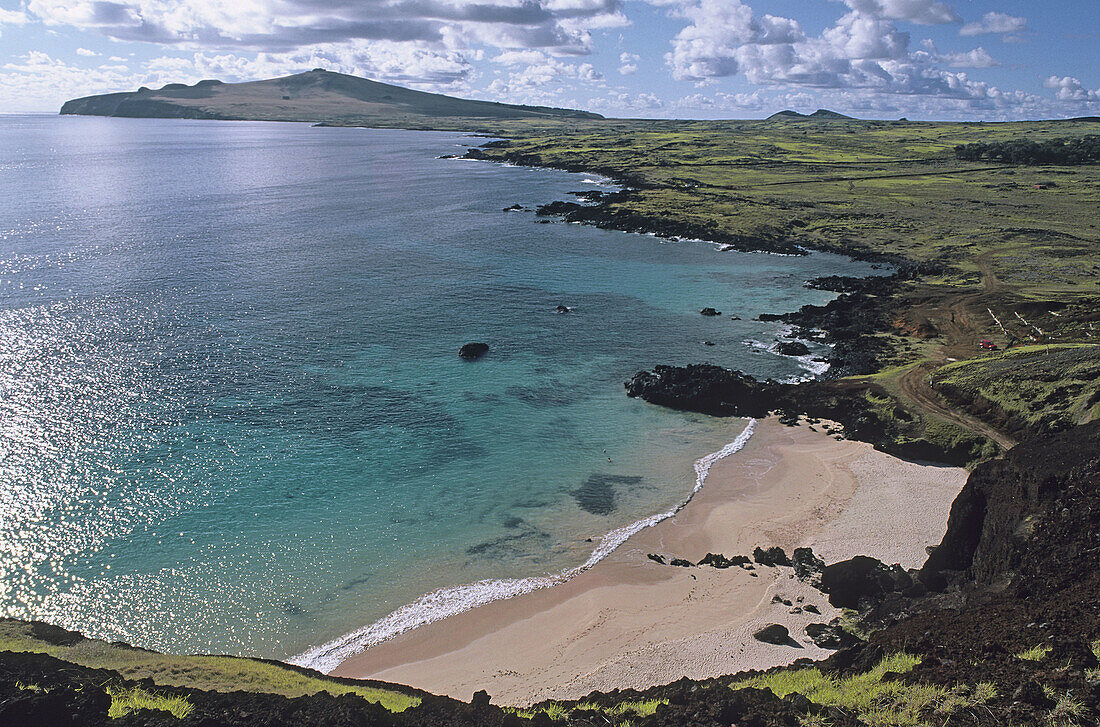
[317, 96]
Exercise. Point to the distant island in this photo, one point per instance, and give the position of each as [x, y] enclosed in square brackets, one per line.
[317, 96]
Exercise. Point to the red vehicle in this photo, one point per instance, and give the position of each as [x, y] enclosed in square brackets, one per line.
[987, 345]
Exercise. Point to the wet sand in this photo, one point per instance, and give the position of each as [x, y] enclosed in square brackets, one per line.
[631, 622]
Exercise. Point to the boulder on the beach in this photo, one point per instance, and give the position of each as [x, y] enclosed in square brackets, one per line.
[473, 351]
[793, 348]
[710, 312]
[771, 557]
[717, 560]
[861, 579]
[807, 566]
[656, 558]
[830, 637]
[773, 634]
[682, 563]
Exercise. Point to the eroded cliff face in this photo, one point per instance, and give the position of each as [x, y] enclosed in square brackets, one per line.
[1031, 515]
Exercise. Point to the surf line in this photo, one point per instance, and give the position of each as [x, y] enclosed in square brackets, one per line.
[453, 600]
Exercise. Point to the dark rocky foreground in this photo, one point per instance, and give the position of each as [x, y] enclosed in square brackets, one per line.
[1018, 568]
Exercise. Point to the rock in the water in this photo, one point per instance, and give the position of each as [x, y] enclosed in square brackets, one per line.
[514, 208]
[772, 556]
[830, 637]
[793, 348]
[708, 343]
[563, 309]
[710, 312]
[473, 351]
[705, 388]
[773, 634]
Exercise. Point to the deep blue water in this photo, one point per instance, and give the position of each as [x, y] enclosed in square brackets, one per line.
[232, 417]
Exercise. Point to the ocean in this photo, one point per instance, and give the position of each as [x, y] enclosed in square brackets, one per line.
[232, 414]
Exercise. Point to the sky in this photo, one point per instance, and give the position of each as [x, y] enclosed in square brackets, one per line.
[921, 59]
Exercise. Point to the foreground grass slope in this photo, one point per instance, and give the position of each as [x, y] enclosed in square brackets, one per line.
[210, 673]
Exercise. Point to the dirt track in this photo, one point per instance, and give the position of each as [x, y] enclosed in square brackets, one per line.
[914, 386]
[960, 320]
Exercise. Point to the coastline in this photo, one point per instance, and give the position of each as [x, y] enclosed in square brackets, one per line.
[630, 622]
[452, 601]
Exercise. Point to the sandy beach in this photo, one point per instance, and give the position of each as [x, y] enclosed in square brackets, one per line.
[631, 622]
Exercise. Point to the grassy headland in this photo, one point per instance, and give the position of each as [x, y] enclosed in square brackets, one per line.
[1004, 252]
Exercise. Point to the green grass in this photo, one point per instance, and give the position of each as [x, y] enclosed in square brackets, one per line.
[1067, 711]
[212, 673]
[1040, 387]
[124, 701]
[1035, 653]
[618, 714]
[872, 700]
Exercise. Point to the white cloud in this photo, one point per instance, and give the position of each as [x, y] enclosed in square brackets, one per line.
[12, 17]
[628, 63]
[1070, 89]
[563, 26]
[994, 22]
[540, 80]
[622, 103]
[977, 58]
[863, 54]
[86, 52]
[924, 12]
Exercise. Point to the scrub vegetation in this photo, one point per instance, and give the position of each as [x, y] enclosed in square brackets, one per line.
[873, 699]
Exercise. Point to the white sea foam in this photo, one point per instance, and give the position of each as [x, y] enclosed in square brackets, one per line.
[599, 181]
[451, 601]
[807, 363]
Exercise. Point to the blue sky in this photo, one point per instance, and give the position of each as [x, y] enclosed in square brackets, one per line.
[928, 59]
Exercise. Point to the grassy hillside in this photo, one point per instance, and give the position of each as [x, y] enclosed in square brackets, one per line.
[316, 96]
[210, 673]
[1045, 388]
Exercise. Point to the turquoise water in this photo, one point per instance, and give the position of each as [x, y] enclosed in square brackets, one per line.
[232, 417]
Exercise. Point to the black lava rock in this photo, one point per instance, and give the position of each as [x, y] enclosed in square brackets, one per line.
[473, 351]
[793, 348]
[773, 634]
[830, 637]
[771, 557]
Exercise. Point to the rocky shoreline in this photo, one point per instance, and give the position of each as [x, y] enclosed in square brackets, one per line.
[853, 325]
